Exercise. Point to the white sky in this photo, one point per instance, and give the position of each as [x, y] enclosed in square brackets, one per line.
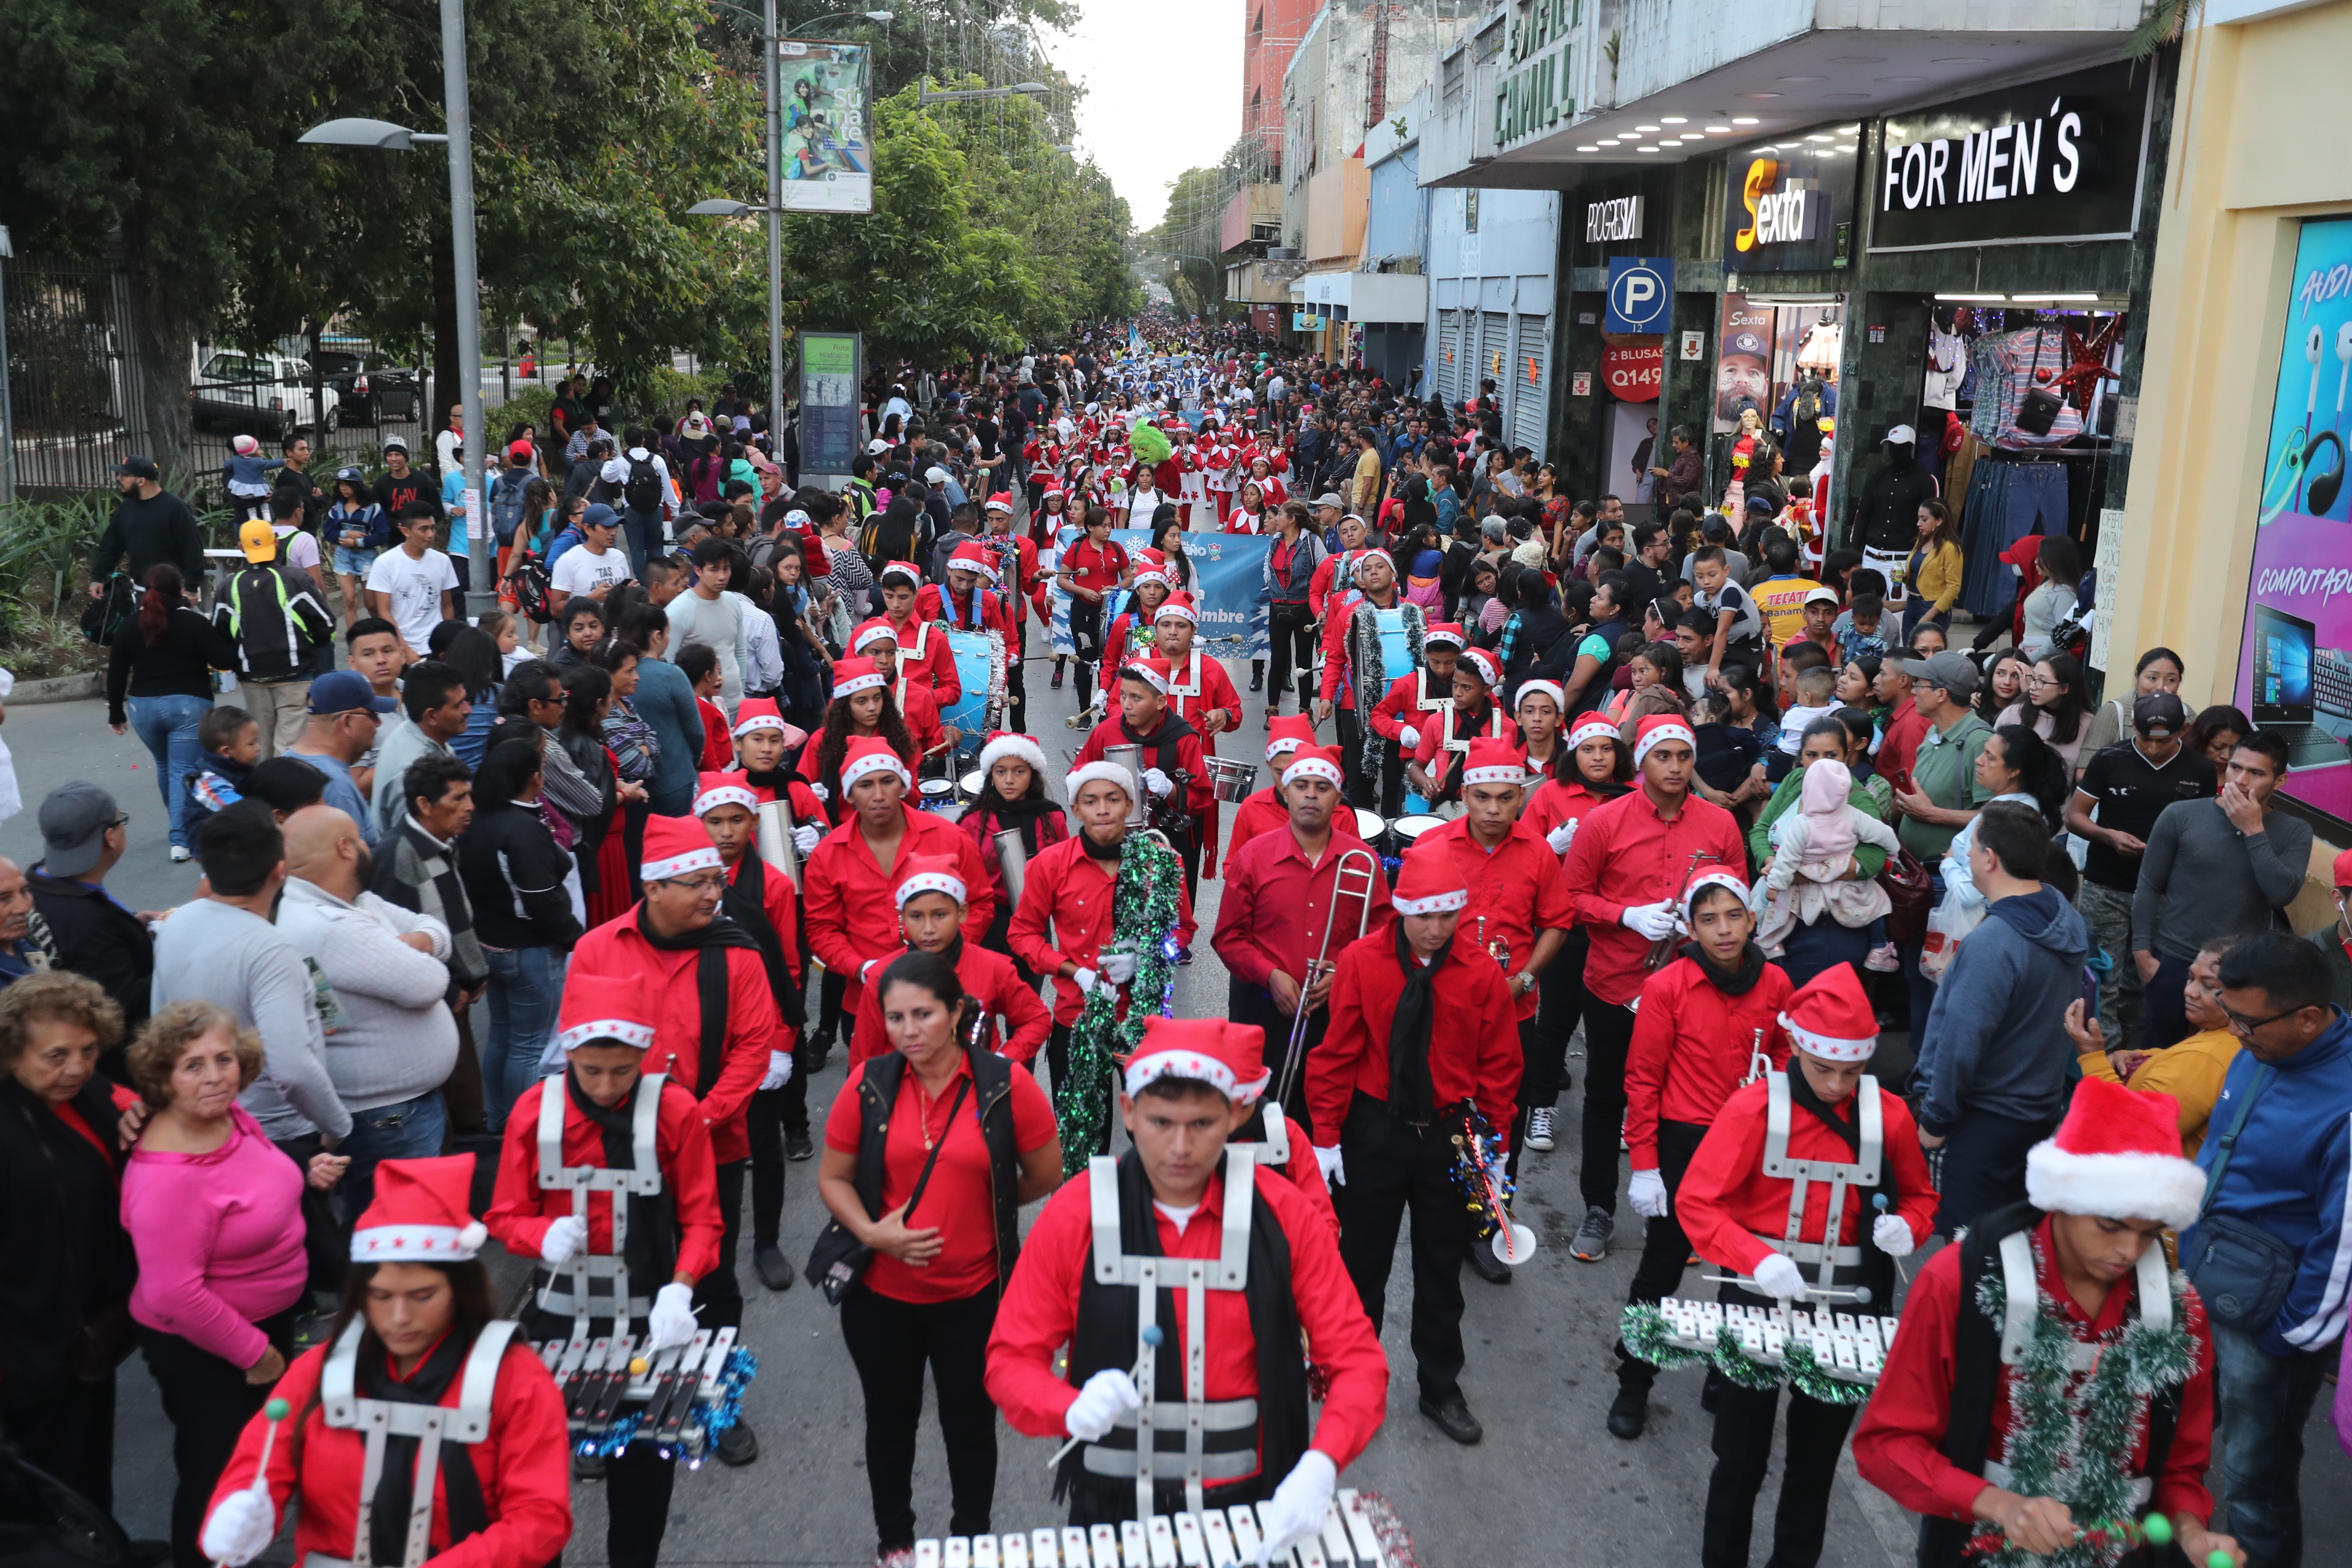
[1163, 91]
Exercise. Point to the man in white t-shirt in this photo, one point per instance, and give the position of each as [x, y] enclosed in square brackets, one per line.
[594, 568]
[414, 588]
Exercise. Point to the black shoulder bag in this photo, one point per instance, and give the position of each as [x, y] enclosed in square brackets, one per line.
[2241, 1271]
[838, 1261]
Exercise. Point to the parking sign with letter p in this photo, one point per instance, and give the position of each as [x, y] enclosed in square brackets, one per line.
[1640, 292]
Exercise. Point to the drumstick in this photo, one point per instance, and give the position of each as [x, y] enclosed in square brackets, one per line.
[1878, 1202]
[1152, 1335]
[276, 1411]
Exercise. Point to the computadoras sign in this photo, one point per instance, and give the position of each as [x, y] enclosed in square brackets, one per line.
[2057, 160]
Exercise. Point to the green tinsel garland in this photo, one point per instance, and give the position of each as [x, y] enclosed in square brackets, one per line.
[1144, 897]
[1645, 1331]
[2051, 1439]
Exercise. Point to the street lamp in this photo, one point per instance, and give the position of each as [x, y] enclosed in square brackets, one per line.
[882, 16]
[968, 95]
[384, 136]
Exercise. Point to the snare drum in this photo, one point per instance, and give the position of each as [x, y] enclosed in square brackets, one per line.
[1408, 829]
[937, 793]
[968, 787]
[1229, 779]
[1370, 827]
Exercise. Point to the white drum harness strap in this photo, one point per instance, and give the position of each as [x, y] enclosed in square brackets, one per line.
[1826, 1254]
[568, 1291]
[432, 1425]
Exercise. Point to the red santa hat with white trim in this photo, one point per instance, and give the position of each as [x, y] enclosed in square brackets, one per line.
[1004, 744]
[422, 1213]
[872, 754]
[852, 676]
[1101, 768]
[1444, 632]
[1490, 761]
[603, 1007]
[1593, 726]
[973, 559]
[928, 874]
[676, 846]
[1180, 605]
[713, 790]
[1830, 1017]
[1715, 877]
[1000, 501]
[761, 713]
[2116, 1156]
[1214, 1051]
[867, 633]
[1482, 664]
[1429, 883]
[1550, 688]
[1156, 673]
[1288, 733]
[906, 569]
[1659, 728]
[1314, 763]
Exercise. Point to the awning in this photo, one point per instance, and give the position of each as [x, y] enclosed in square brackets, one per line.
[1364, 296]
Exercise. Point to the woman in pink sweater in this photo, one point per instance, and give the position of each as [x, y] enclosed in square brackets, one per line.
[214, 1213]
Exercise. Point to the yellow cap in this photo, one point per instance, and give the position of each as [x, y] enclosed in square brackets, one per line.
[257, 539]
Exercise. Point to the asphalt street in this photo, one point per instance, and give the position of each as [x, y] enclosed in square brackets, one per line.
[1548, 1486]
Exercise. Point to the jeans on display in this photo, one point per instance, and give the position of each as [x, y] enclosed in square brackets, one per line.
[411, 1129]
[2261, 1403]
[1923, 989]
[1984, 1165]
[2164, 1009]
[166, 726]
[2006, 501]
[642, 532]
[525, 984]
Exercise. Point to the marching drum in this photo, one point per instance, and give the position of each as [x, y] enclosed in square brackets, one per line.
[1229, 779]
[1362, 1531]
[969, 786]
[1408, 829]
[1370, 827]
[938, 795]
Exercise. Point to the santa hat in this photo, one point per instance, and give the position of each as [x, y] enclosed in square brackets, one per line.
[1101, 768]
[1491, 761]
[1314, 763]
[422, 1213]
[1004, 744]
[713, 790]
[906, 569]
[1180, 605]
[1713, 877]
[873, 631]
[1430, 884]
[1830, 1017]
[676, 846]
[929, 874]
[1550, 688]
[1481, 663]
[1000, 501]
[2116, 1155]
[1288, 733]
[1364, 557]
[1659, 727]
[972, 558]
[852, 676]
[872, 754]
[1156, 673]
[1212, 1050]
[603, 1007]
[1444, 632]
[1592, 727]
[761, 713]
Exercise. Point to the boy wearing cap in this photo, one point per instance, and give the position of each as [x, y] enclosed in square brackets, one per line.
[930, 897]
[1201, 693]
[1355, 664]
[1388, 1090]
[1473, 715]
[1172, 748]
[917, 702]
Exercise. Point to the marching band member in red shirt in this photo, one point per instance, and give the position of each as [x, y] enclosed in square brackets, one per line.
[966, 603]
[603, 1113]
[922, 649]
[1171, 747]
[1413, 702]
[861, 709]
[1125, 641]
[1087, 570]
[418, 1317]
[1353, 667]
[932, 907]
[1174, 1195]
[1202, 695]
[1264, 810]
[1015, 559]
[917, 703]
[1537, 709]
[1388, 1086]
[1627, 867]
[1473, 715]
[763, 743]
[1333, 575]
[1282, 907]
[1708, 1022]
[1068, 894]
[1012, 799]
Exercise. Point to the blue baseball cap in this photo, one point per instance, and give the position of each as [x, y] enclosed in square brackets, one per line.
[347, 691]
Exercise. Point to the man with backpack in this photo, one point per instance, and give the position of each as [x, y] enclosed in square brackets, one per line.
[647, 496]
[274, 616]
[506, 487]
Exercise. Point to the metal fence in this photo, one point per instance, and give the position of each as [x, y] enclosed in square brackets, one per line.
[75, 397]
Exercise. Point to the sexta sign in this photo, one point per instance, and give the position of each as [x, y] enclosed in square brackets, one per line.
[2060, 159]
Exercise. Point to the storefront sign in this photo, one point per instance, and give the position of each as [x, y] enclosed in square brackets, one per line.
[1640, 291]
[1617, 219]
[2056, 160]
[1301, 322]
[1634, 372]
[1534, 92]
[1790, 199]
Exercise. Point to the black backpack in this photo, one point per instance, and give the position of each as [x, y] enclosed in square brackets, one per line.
[531, 583]
[505, 503]
[643, 488]
[1808, 406]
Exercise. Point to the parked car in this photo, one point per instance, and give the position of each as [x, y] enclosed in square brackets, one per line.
[367, 390]
[266, 393]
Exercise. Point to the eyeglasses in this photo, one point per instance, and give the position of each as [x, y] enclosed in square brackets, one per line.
[2043, 682]
[2243, 1026]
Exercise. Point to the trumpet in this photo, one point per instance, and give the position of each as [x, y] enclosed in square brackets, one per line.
[1346, 878]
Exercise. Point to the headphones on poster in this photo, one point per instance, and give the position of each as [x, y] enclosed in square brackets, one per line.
[2321, 485]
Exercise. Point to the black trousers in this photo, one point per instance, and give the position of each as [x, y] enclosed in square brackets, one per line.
[1057, 1056]
[68, 1428]
[1016, 684]
[718, 1295]
[1392, 1166]
[829, 1020]
[765, 1122]
[1085, 639]
[209, 1402]
[892, 1342]
[1247, 1003]
[1391, 802]
[1608, 1036]
[1290, 635]
[1984, 1165]
[1743, 1449]
[325, 1242]
[638, 1483]
[1560, 1005]
[1665, 1249]
[1359, 790]
[808, 1052]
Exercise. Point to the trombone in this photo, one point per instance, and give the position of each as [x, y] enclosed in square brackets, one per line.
[1364, 877]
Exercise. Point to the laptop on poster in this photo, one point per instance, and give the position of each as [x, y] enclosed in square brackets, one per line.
[2299, 694]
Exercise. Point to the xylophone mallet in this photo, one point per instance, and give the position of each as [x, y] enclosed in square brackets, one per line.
[1153, 1335]
[1878, 1202]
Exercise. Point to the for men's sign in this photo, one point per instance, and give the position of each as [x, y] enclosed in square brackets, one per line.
[1618, 220]
[2057, 160]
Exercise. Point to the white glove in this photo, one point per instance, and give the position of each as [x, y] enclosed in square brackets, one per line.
[819, 791]
[1779, 1279]
[1085, 980]
[1409, 739]
[1561, 838]
[240, 1528]
[779, 1071]
[672, 1319]
[1157, 782]
[866, 971]
[1893, 1233]
[1648, 1194]
[804, 838]
[1108, 1395]
[1335, 1169]
[1653, 920]
[563, 1238]
[1118, 968]
[1298, 1506]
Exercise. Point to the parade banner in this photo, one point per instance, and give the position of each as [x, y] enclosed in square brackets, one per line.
[1229, 585]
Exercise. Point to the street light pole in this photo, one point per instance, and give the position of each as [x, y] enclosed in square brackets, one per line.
[774, 80]
[483, 595]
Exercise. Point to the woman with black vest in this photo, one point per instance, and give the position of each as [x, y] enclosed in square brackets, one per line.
[929, 1151]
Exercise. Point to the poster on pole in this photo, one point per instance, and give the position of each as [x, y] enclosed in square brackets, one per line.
[826, 94]
[830, 433]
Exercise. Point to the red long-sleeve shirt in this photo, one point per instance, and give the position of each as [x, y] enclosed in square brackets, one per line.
[718, 737]
[1899, 746]
[1726, 1198]
[987, 976]
[781, 905]
[1516, 890]
[1626, 853]
[853, 901]
[923, 650]
[1262, 812]
[982, 827]
[666, 977]
[1200, 797]
[1040, 1311]
[522, 1210]
[1277, 905]
[1202, 687]
[1339, 620]
[1555, 805]
[524, 1466]
[1435, 755]
[1318, 585]
[1899, 1445]
[1071, 891]
[1691, 1047]
[930, 604]
[1408, 701]
[1474, 1051]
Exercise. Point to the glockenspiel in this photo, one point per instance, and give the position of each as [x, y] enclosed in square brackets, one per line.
[1360, 1531]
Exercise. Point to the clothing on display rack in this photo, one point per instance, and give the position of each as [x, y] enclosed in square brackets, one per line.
[1948, 366]
[2008, 499]
[2008, 364]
